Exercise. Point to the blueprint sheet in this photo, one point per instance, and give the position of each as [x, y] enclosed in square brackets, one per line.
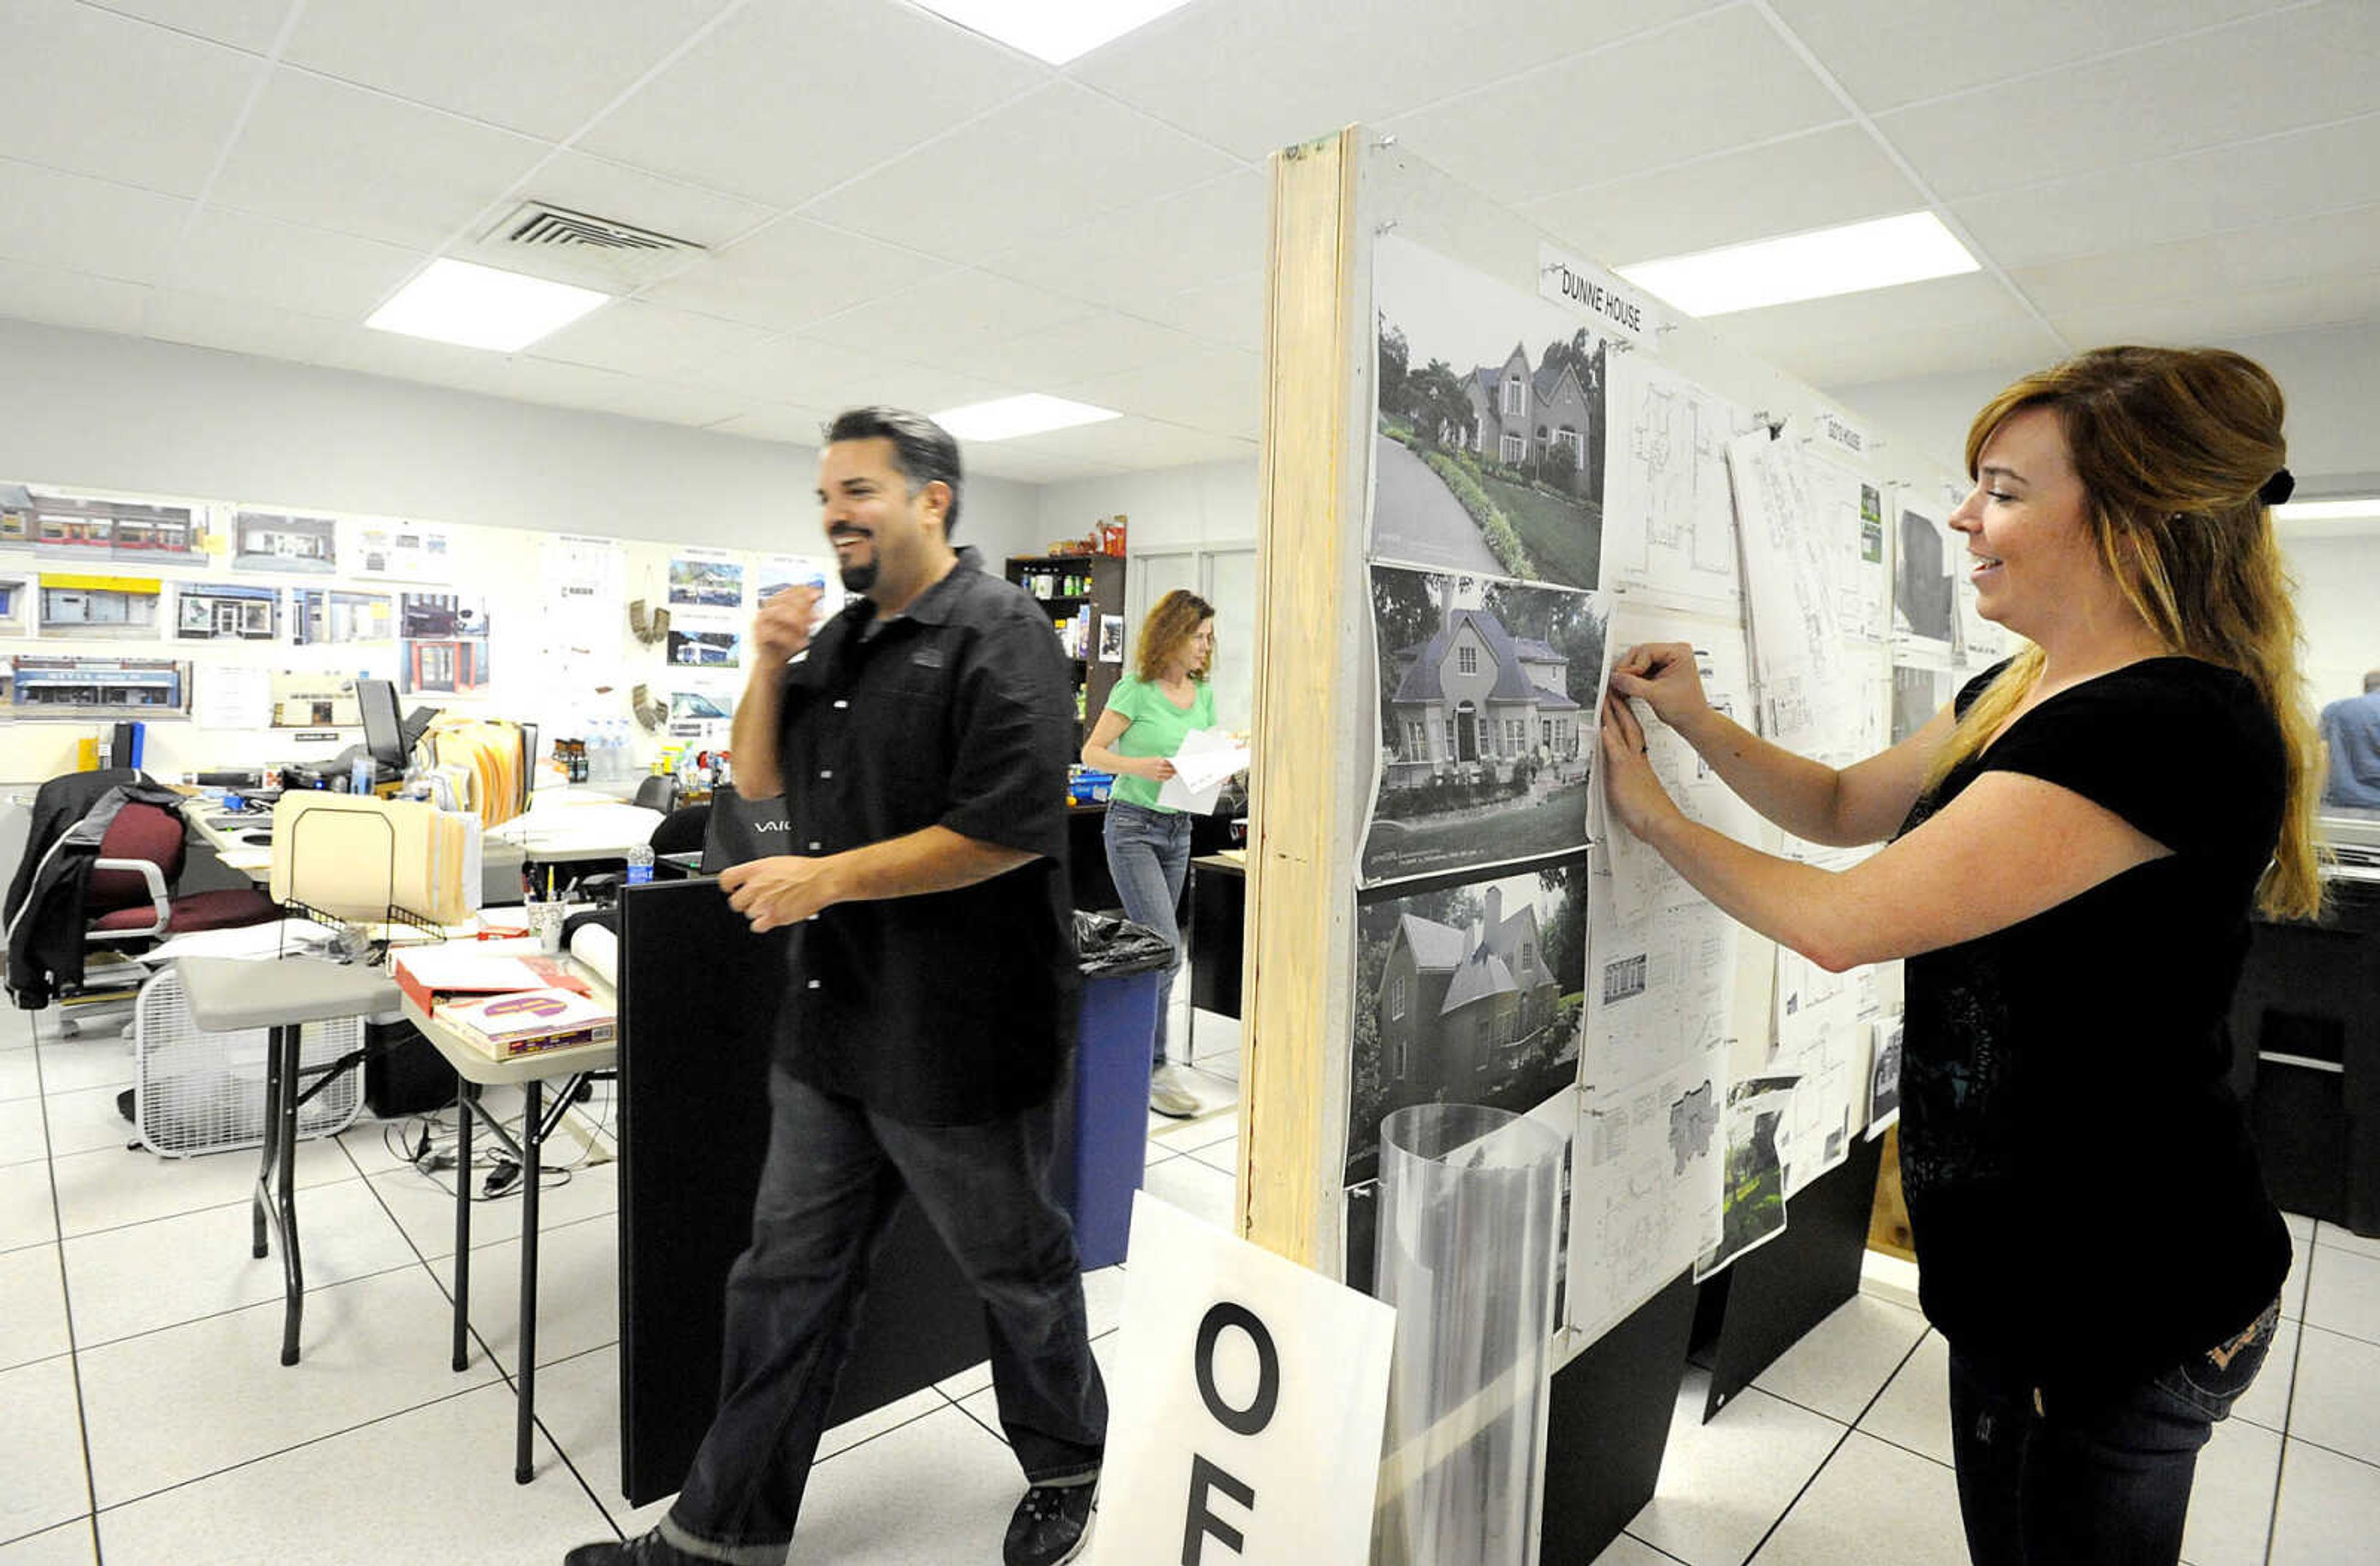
[1668, 520]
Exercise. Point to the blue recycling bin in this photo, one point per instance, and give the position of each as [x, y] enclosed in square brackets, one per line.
[1101, 1145]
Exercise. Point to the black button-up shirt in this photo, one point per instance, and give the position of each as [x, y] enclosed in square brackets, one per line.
[951, 1007]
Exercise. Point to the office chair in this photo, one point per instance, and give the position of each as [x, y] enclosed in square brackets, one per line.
[657, 794]
[130, 899]
[682, 830]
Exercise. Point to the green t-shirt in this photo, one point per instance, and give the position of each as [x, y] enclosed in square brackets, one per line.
[1156, 729]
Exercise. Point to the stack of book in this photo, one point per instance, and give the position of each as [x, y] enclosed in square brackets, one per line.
[504, 1007]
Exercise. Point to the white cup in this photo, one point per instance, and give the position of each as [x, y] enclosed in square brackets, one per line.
[545, 923]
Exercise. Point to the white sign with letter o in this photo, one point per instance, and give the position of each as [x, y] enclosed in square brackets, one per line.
[1245, 1409]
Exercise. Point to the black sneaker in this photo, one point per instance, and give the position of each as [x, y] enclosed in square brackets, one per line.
[646, 1550]
[1050, 1524]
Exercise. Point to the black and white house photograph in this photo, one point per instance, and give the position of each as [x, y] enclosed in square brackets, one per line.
[1487, 738]
[1489, 456]
[1466, 992]
[706, 650]
[1925, 608]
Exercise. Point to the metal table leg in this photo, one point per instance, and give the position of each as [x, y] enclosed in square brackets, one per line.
[525, 1412]
[276, 1181]
[467, 1104]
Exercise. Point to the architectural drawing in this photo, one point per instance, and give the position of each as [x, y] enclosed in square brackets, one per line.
[1849, 511]
[1798, 662]
[1668, 518]
[1926, 565]
[1645, 1190]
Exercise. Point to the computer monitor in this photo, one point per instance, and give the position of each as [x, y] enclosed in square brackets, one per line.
[383, 735]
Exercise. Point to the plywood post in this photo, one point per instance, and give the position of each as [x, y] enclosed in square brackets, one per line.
[1311, 718]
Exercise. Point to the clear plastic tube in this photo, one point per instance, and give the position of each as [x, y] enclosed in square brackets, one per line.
[1469, 1221]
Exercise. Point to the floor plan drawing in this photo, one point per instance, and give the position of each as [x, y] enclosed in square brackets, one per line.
[1668, 518]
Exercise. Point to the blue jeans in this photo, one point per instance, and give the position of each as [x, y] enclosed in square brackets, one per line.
[832, 1176]
[2049, 1480]
[1149, 856]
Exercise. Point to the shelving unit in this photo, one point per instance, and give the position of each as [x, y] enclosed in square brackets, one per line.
[1079, 592]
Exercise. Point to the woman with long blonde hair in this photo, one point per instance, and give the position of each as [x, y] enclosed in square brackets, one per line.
[1165, 697]
[2076, 844]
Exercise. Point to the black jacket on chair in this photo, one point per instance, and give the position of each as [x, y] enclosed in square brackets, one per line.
[45, 899]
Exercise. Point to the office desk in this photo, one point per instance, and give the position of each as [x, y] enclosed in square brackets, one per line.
[578, 827]
[1215, 935]
[539, 1118]
[254, 860]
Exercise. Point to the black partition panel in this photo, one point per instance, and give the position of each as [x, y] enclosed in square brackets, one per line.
[699, 996]
[1778, 1292]
[1608, 1425]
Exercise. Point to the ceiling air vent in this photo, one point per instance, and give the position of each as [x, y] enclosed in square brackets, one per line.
[577, 246]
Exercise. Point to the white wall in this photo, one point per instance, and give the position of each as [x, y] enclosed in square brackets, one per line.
[1214, 503]
[104, 411]
[2339, 582]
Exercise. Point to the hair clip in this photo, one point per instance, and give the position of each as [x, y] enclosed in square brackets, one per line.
[2277, 489]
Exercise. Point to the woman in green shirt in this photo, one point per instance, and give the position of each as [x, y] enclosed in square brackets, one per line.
[1148, 712]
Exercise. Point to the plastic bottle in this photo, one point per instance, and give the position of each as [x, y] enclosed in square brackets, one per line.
[640, 864]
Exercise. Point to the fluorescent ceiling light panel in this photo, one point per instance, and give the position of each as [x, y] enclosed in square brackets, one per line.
[1032, 414]
[1818, 265]
[479, 307]
[1054, 30]
[2346, 508]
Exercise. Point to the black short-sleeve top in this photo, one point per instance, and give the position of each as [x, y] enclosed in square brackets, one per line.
[953, 1007]
[2084, 1198]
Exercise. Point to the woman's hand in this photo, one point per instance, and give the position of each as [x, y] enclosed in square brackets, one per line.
[1662, 675]
[1155, 769]
[1634, 796]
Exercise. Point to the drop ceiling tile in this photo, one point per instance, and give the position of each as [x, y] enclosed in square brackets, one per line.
[1914, 329]
[1219, 391]
[1829, 176]
[2273, 254]
[237, 326]
[69, 298]
[1714, 82]
[1135, 444]
[412, 358]
[321, 152]
[782, 102]
[956, 318]
[636, 338]
[1229, 312]
[243, 24]
[1048, 162]
[807, 374]
[602, 188]
[2197, 194]
[236, 256]
[2298, 69]
[78, 225]
[542, 67]
[105, 95]
[1093, 346]
[1188, 240]
[2229, 316]
[1925, 351]
[1251, 75]
[779, 422]
[1890, 55]
[793, 272]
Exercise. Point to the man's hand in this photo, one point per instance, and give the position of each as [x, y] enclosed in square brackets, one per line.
[782, 890]
[782, 626]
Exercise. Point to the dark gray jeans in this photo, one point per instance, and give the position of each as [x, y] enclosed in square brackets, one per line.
[833, 1174]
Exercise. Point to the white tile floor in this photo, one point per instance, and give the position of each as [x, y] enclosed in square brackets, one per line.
[144, 1419]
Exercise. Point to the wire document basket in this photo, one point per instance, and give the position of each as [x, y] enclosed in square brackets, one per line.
[200, 1092]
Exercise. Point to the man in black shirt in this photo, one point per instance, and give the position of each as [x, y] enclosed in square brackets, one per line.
[921, 743]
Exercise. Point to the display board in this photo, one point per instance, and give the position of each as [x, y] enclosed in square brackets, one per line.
[233, 601]
[1491, 465]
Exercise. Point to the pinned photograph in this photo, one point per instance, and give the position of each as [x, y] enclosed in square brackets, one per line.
[273, 541]
[1110, 638]
[99, 608]
[227, 612]
[88, 530]
[1925, 590]
[1469, 992]
[329, 616]
[706, 650]
[445, 646]
[705, 581]
[1488, 455]
[1486, 736]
